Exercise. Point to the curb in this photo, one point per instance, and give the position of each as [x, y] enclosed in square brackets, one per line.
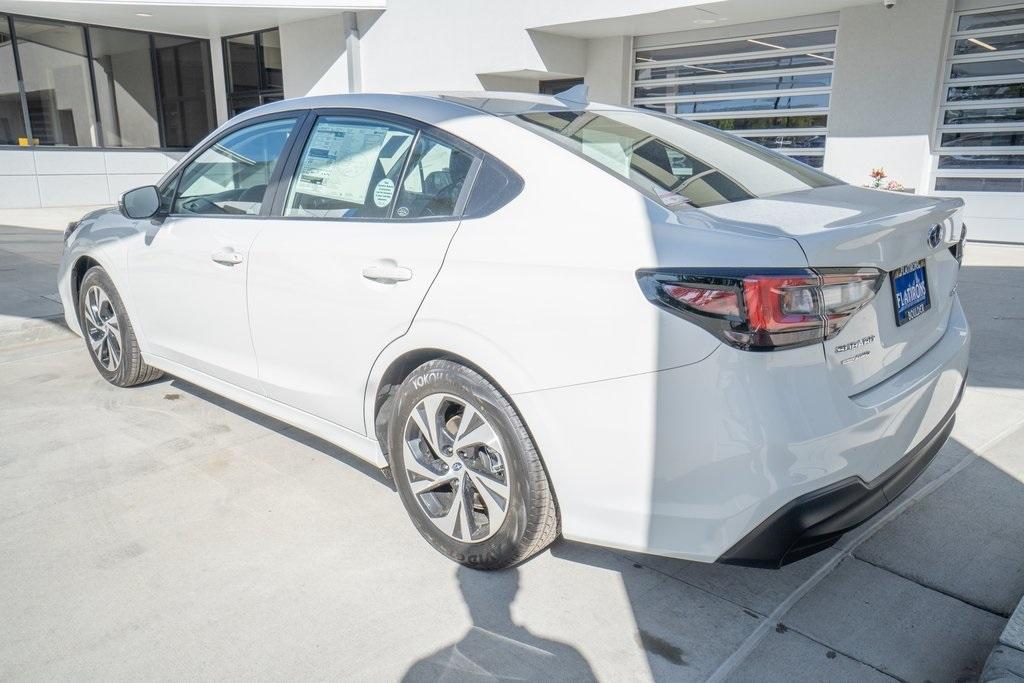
[1006, 663]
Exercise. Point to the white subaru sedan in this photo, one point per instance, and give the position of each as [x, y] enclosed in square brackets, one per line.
[546, 317]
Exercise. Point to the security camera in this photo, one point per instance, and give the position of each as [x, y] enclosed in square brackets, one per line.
[888, 4]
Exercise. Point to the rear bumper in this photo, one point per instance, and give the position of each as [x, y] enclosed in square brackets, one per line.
[815, 520]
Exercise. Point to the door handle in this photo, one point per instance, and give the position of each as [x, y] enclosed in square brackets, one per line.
[387, 271]
[227, 256]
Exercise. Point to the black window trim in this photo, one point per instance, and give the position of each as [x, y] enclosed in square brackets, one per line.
[283, 183]
[302, 118]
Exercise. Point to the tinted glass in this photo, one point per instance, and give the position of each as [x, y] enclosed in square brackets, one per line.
[57, 86]
[999, 91]
[243, 64]
[183, 66]
[784, 142]
[982, 139]
[12, 121]
[988, 115]
[350, 168]
[672, 161]
[124, 88]
[767, 122]
[723, 87]
[737, 46]
[270, 48]
[231, 177]
[752, 104]
[987, 44]
[996, 67]
[980, 184]
[1000, 161]
[998, 19]
[737, 66]
[434, 180]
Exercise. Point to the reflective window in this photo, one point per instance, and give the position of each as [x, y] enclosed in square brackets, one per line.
[254, 73]
[998, 19]
[124, 88]
[231, 177]
[57, 87]
[137, 90]
[734, 84]
[433, 181]
[980, 132]
[12, 119]
[183, 68]
[350, 168]
[672, 161]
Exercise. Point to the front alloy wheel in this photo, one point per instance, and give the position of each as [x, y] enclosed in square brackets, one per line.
[102, 328]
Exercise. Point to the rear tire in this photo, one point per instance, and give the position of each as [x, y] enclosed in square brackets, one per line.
[108, 332]
[467, 469]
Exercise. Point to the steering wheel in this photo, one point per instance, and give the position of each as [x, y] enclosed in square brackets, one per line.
[202, 205]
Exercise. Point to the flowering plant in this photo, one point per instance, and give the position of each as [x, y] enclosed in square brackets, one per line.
[878, 181]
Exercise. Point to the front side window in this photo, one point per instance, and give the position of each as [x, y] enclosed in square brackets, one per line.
[672, 161]
[351, 168]
[231, 177]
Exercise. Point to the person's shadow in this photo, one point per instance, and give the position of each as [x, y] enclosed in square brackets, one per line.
[495, 647]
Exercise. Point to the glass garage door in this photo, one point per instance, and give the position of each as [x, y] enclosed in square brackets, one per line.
[980, 133]
[773, 89]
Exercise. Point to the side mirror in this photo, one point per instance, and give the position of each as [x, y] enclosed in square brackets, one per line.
[142, 202]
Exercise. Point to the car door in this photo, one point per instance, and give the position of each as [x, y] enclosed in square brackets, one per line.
[369, 210]
[188, 274]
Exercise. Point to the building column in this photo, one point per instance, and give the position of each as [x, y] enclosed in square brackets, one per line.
[885, 91]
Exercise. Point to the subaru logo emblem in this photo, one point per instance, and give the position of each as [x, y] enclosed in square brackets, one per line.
[934, 236]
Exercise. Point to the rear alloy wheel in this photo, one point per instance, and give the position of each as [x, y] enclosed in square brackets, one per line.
[108, 332]
[467, 470]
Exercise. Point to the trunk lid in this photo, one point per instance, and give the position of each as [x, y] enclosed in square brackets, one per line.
[845, 226]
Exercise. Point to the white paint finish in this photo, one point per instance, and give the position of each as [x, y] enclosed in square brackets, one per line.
[67, 162]
[141, 161]
[19, 192]
[119, 184]
[17, 162]
[72, 190]
[542, 295]
[885, 90]
[306, 277]
[190, 309]
[313, 56]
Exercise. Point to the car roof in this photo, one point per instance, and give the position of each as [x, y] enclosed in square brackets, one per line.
[455, 102]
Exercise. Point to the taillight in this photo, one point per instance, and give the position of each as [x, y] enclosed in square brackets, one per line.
[766, 309]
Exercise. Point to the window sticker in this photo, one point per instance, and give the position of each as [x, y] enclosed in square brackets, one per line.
[383, 193]
[339, 161]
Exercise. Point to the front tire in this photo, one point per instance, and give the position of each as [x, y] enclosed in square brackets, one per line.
[467, 470]
[108, 332]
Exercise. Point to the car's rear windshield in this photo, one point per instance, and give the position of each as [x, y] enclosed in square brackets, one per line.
[675, 162]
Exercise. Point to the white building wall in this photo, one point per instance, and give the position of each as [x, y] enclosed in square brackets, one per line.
[313, 57]
[885, 91]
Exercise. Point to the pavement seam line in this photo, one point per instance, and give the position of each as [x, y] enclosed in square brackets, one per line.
[921, 582]
[776, 616]
[845, 654]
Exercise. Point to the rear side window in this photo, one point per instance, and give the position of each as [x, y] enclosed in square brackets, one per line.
[231, 176]
[434, 180]
[350, 168]
[672, 161]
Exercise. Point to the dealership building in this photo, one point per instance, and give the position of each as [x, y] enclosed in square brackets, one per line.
[98, 97]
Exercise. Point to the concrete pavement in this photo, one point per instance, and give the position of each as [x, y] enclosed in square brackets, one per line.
[162, 532]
